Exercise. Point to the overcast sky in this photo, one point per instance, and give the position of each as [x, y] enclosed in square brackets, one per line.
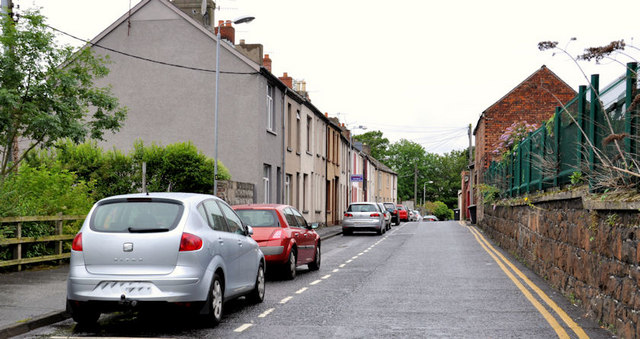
[416, 69]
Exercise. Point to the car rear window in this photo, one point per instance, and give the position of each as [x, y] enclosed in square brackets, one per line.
[362, 208]
[258, 218]
[136, 216]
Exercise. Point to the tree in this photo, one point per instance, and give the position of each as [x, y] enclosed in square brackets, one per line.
[378, 144]
[405, 158]
[47, 91]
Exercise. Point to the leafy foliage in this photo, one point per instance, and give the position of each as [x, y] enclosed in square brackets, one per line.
[47, 91]
[378, 144]
[512, 136]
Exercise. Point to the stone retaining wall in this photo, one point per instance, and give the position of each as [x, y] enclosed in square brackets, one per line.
[236, 193]
[590, 254]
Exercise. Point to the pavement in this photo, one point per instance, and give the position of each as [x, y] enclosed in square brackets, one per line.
[37, 298]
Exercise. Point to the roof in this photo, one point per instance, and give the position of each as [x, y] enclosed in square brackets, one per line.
[542, 68]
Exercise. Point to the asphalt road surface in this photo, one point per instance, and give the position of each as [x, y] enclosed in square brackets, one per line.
[419, 280]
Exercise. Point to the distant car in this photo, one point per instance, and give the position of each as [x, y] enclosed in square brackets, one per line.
[363, 216]
[418, 216]
[403, 214]
[387, 216]
[430, 218]
[137, 250]
[284, 236]
[391, 207]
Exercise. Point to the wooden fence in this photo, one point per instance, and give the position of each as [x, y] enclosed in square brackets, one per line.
[17, 241]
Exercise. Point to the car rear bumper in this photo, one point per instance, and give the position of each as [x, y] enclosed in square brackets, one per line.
[362, 225]
[179, 286]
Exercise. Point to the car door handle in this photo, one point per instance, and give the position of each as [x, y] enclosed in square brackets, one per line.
[221, 241]
[240, 243]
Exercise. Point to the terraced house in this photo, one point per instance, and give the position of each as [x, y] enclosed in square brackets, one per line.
[163, 61]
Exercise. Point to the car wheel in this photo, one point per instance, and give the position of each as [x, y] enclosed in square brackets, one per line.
[257, 294]
[380, 231]
[315, 264]
[215, 301]
[82, 314]
[290, 266]
[347, 232]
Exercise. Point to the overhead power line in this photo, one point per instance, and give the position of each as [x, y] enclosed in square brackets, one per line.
[147, 59]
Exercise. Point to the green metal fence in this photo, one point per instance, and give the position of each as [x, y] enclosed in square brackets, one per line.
[550, 155]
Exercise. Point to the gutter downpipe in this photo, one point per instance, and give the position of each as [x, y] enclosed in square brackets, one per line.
[284, 150]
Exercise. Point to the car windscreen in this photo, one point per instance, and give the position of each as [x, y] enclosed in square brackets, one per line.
[258, 218]
[362, 208]
[136, 216]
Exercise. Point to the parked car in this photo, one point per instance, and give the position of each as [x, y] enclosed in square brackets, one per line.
[363, 216]
[185, 249]
[416, 215]
[387, 216]
[391, 207]
[403, 214]
[284, 236]
[430, 218]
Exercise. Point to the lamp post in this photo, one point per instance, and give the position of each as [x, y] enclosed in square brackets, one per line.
[240, 20]
[350, 152]
[424, 186]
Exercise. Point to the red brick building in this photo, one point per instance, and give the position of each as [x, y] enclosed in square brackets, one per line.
[534, 100]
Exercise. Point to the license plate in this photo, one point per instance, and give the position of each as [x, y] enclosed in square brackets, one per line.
[128, 288]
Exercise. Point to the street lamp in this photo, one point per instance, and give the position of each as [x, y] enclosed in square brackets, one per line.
[240, 20]
[350, 151]
[424, 186]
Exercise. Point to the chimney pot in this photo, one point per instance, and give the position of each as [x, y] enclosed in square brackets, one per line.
[266, 62]
[287, 80]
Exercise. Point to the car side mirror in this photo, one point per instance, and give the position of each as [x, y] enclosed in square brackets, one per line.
[249, 231]
[315, 225]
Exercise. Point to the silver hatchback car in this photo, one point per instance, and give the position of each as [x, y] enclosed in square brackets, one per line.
[364, 216]
[184, 249]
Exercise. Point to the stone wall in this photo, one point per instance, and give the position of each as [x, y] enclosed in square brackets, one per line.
[589, 250]
[236, 193]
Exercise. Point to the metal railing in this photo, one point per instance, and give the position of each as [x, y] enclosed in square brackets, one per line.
[552, 154]
[50, 232]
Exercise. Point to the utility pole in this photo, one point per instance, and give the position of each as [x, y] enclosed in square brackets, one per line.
[415, 185]
[470, 169]
[13, 150]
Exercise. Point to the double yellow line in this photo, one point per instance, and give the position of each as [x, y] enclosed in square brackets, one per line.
[502, 261]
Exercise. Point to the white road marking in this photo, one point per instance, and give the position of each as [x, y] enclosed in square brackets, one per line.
[361, 253]
[315, 282]
[348, 261]
[284, 301]
[242, 328]
[341, 265]
[326, 276]
[266, 313]
[336, 270]
[301, 290]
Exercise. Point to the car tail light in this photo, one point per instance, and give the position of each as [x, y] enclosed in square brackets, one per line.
[375, 215]
[348, 215]
[190, 242]
[77, 243]
[277, 234]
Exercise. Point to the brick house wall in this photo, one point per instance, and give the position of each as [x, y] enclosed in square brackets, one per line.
[533, 100]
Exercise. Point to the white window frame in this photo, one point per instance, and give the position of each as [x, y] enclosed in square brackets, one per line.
[271, 123]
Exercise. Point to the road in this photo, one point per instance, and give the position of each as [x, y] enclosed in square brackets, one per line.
[427, 279]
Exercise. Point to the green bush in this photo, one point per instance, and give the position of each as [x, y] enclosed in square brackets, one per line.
[442, 211]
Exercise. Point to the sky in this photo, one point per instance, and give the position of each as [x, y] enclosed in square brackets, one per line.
[420, 70]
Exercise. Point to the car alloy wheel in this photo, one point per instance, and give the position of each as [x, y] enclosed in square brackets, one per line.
[315, 264]
[290, 267]
[216, 300]
[257, 295]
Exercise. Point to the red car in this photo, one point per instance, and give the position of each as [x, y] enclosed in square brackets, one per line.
[403, 214]
[285, 238]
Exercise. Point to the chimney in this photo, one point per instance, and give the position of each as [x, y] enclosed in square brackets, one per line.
[227, 32]
[287, 80]
[266, 62]
[193, 8]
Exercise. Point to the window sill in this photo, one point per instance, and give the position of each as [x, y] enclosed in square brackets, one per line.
[271, 132]
[305, 211]
[309, 153]
[289, 149]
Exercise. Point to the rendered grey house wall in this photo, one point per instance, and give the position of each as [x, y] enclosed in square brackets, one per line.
[169, 104]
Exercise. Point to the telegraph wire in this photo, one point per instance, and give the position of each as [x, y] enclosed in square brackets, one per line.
[147, 59]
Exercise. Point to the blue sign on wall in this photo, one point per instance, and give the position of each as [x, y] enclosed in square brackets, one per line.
[356, 177]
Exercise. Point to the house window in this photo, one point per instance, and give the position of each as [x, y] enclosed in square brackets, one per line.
[309, 137]
[266, 179]
[298, 132]
[271, 112]
[287, 189]
[289, 126]
[305, 189]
